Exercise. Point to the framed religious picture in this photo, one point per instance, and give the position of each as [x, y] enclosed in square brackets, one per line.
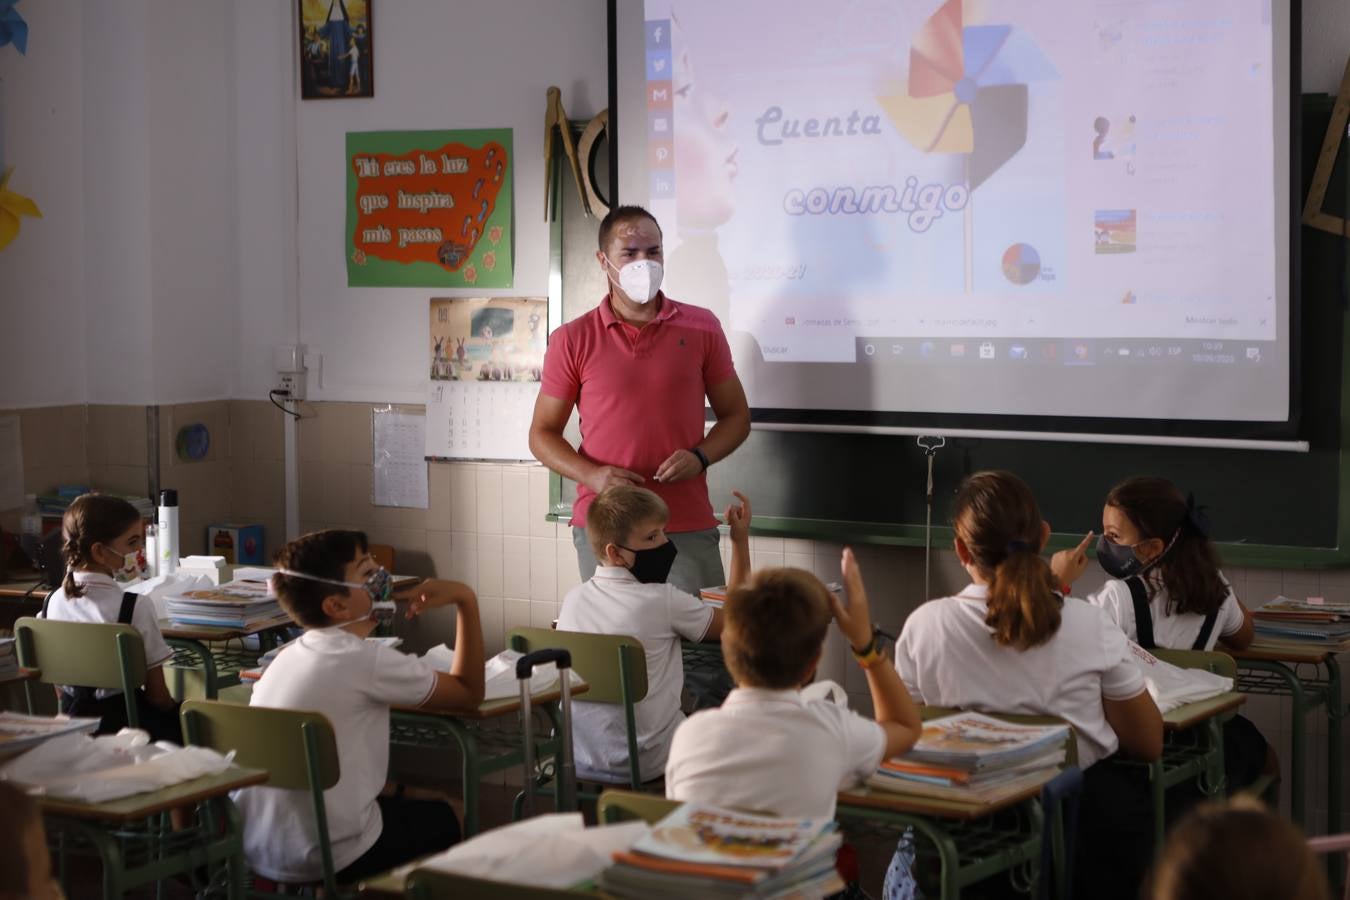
[336, 49]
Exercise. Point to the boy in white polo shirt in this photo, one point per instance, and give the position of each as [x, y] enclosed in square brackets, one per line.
[628, 595]
[327, 582]
[767, 748]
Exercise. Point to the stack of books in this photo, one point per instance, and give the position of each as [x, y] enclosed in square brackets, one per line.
[973, 758]
[9, 658]
[235, 604]
[1285, 624]
[704, 851]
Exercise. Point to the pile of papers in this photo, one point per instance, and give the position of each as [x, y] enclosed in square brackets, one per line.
[1299, 624]
[9, 658]
[563, 852]
[499, 673]
[704, 851]
[971, 757]
[1172, 686]
[19, 732]
[235, 604]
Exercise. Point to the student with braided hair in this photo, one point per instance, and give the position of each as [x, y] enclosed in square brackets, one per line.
[104, 548]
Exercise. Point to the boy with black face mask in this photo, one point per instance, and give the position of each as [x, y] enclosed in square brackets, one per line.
[628, 595]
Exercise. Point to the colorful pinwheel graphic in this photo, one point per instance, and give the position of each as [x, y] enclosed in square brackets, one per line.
[967, 90]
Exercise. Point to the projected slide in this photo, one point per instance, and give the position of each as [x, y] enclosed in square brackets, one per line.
[1000, 193]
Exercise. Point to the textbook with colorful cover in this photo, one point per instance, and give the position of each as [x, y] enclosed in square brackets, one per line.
[975, 742]
[704, 851]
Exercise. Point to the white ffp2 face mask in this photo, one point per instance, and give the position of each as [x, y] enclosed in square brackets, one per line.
[640, 279]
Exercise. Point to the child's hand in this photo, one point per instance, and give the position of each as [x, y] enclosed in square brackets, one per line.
[855, 620]
[738, 518]
[1068, 565]
[433, 593]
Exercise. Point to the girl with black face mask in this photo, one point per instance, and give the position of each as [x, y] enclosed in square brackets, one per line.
[1167, 591]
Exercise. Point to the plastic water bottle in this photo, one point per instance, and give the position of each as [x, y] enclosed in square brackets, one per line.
[30, 529]
[151, 550]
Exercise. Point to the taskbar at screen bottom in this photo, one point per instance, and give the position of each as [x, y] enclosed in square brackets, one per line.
[1068, 352]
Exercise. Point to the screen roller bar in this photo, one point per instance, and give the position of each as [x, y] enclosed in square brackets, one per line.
[1151, 440]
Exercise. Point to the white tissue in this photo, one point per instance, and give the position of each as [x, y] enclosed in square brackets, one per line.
[96, 769]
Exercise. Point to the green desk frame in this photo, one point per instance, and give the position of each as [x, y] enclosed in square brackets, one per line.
[1323, 688]
[482, 751]
[968, 852]
[133, 841]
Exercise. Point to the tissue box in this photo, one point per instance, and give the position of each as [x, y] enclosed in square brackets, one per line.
[239, 544]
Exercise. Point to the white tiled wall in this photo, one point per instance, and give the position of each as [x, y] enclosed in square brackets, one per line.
[486, 526]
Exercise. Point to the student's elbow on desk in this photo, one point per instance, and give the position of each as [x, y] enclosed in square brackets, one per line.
[899, 738]
[451, 692]
[1138, 726]
[1243, 637]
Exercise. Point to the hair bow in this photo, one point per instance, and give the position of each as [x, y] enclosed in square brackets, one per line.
[1196, 516]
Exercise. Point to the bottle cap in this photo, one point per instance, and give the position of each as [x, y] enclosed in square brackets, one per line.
[168, 497]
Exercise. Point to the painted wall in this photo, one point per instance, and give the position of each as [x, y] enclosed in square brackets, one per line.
[470, 64]
[120, 121]
[194, 206]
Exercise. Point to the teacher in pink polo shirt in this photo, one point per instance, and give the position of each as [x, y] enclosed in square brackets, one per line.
[637, 368]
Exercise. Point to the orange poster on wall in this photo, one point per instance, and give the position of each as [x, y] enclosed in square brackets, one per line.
[429, 208]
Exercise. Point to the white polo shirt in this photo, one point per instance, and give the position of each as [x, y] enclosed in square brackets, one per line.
[947, 656]
[771, 751]
[658, 615]
[353, 682]
[100, 604]
[1175, 631]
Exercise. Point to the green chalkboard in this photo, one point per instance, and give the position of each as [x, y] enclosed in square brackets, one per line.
[1267, 507]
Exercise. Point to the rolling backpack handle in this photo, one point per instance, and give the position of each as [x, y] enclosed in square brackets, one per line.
[566, 772]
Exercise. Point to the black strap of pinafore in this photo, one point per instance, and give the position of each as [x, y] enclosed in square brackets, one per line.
[1143, 618]
[124, 612]
[1202, 640]
[82, 696]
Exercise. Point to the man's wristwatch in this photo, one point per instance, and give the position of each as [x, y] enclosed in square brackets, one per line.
[702, 457]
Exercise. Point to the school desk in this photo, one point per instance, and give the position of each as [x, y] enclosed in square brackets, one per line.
[218, 651]
[1309, 678]
[20, 676]
[394, 884]
[482, 750]
[135, 846]
[974, 840]
[1192, 752]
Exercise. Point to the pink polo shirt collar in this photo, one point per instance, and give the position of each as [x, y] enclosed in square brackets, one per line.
[667, 310]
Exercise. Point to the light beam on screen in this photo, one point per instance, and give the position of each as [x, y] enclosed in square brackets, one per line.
[974, 209]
